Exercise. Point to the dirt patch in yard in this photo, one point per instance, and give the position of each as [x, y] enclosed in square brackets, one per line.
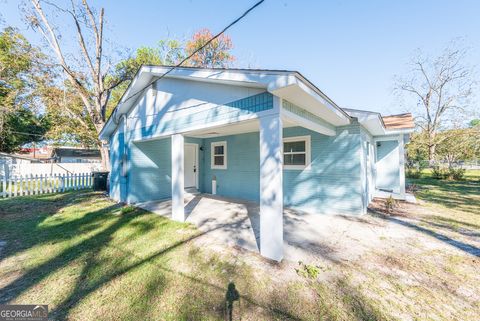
[407, 263]
[87, 257]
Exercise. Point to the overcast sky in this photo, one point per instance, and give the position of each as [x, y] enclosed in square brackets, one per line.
[350, 49]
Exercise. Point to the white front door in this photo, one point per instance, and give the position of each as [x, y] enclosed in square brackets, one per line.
[190, 165]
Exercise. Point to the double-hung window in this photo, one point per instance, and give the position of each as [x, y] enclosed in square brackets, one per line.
[219, 155]
[296, 152]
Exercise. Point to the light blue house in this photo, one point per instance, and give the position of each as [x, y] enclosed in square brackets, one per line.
[268, 136]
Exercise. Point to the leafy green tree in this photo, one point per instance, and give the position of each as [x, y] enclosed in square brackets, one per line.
[474, 123]
[66, 114]
[453, 145]
[167, 52]
[19, 66]
[171, 52]
[86, 63]
[21, 127]
[417, 148]
[458, 145]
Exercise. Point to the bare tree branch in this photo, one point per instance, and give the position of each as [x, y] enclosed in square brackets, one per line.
[443, 86]
[91, 85]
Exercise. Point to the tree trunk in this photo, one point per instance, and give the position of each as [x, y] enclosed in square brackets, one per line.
[432, 145]
[104, 153]
[431, 153]
[105, 158]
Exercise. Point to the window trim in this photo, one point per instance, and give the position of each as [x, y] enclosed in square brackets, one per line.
[307, 140]
[212, 155]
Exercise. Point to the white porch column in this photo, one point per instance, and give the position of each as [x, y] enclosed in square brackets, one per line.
[401, 151]
[178, 212]
[271, 187]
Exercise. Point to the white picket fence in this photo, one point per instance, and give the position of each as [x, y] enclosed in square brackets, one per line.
[44, 184]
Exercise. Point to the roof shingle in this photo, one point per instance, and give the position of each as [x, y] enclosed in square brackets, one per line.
[401, 121]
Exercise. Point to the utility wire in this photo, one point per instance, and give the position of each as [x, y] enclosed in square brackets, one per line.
[197, 50]
[25, 133]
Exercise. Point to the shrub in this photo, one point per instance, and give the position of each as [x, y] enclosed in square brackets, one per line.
[308, 270]
[413, 172]
[412, 188]
[390, 204]
[439, 172]
[456, 173]
[448, 173]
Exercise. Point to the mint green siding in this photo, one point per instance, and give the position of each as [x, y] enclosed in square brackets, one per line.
[149, 162]
[368, 167]
[149, 174]
[388, 166]
[230, 112]
[117, 182]
[331, 185]
[241, 178]
[150, 169]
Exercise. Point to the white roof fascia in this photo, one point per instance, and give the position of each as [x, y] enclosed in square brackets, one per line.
[272, 81]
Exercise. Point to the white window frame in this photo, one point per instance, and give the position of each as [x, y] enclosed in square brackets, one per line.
[307, 140]
[212, 155]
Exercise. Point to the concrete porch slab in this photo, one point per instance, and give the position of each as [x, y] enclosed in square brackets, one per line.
[226, 221]
[307, 236]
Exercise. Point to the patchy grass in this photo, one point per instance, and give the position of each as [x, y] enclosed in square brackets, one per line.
[461, 198]
[89, 258]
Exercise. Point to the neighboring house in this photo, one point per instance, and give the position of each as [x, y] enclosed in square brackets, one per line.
[43, 154]
[43, 164]
[6, 158]
[75, 155]
[7, 161]
[264, 135]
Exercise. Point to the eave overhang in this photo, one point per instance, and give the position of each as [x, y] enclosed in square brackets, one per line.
[289, 85]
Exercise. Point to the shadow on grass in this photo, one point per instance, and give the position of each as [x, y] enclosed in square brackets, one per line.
[95, 231]
[467, 248]
[22, 220]
[463, 195]
[457, 226]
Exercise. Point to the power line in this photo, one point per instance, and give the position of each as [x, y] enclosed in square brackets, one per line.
[197, 50]
[25, 133]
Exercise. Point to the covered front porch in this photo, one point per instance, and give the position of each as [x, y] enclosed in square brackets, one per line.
[222, 168]
[228, 222]
[244, 160]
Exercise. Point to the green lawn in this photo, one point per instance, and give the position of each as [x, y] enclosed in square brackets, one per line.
[461, 198]
[89, 259]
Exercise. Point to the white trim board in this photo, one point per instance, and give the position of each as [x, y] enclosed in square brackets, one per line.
[308, 152]
[212, 154]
